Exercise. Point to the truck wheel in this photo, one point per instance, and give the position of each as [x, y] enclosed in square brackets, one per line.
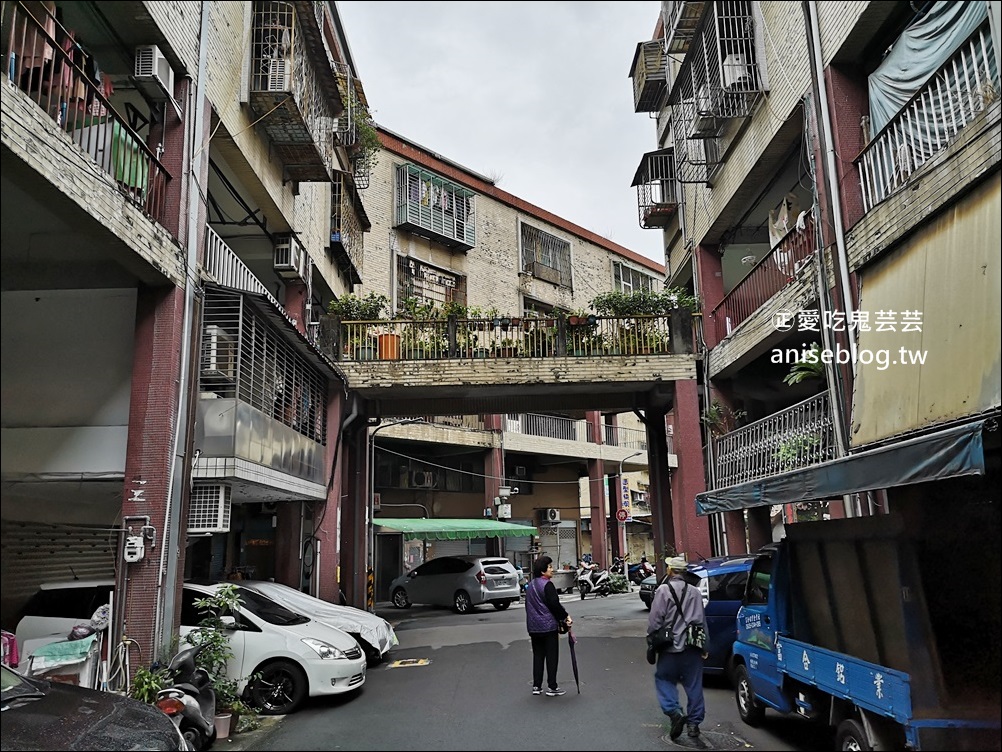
[748, 708]
[851, 736]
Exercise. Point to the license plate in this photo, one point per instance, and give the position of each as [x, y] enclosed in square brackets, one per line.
[501, 583]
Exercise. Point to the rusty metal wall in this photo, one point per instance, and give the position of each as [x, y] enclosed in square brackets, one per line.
[949, 273]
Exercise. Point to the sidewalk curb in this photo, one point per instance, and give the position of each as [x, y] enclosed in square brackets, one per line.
[248, 739]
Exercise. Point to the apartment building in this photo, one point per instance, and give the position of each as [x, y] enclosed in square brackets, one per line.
[445, 238]
[169, 172]
[826, 179]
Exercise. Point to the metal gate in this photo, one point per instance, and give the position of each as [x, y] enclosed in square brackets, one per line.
[560, 542]
[32, 553]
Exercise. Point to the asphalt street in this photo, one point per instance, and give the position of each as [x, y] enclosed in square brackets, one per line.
[464, 682]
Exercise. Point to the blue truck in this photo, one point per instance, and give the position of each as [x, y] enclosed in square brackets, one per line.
[869, 626]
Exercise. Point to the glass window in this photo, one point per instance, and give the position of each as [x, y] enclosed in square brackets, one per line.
[628, 279]
[758, 581]
[728, 587]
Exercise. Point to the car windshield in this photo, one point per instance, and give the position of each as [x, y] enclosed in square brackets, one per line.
[14, 686]
[267, 609]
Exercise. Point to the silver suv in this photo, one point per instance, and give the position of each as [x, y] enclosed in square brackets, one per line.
[461, 582]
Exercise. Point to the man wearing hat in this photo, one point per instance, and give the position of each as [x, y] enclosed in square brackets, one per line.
[676, 603]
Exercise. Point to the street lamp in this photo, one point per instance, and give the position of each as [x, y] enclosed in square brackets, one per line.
[622, 528]
[371, 506]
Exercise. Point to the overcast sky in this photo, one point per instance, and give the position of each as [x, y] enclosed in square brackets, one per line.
[537, 95]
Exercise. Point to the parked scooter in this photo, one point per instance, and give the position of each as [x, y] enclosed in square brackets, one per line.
[591, 579]
[190, 701]
[618, 566]
[641, 570]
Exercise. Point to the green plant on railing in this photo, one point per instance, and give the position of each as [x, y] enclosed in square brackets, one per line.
[795, 451]
[638, 338]
[507, 348]
[808, 367]
[366, 143]
[643, 302]
[720, 419]
[351, 307]
[413, 308]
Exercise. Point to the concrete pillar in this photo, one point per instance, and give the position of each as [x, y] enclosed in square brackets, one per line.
[332, 573]
[711, 293]
[759, 527]
[692, 533]
[596, 495]
[662, 513]
[354, 531]
[494, 472]
[737, 541]
[296, 301]
[153, 414]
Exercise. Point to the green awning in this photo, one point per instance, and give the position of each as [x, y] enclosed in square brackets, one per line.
[453, 529]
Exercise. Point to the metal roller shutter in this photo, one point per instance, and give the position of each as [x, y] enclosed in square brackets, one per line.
[32, 553]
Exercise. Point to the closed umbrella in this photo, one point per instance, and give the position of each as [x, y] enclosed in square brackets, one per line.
[572, 640]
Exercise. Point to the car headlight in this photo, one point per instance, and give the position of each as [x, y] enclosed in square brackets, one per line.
[325, 650]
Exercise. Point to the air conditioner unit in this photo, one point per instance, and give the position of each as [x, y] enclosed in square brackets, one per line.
[707, 107]
[153, 74]
[422, 479]
[279, 77]
[736, 72]
[290, 257]
[550, 515]
[220, 354]
[209, 511]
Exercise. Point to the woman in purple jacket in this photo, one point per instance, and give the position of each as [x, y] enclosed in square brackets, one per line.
[542, 614]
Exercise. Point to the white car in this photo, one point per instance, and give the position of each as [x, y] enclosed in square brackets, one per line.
[281, 656]
[372, 633]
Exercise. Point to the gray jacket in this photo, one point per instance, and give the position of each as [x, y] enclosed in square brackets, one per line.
[663, 610]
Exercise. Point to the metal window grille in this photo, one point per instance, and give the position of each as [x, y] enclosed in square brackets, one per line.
[346, 228]
[425, 201]
[657, 195]
[209, 511]
[546, 256]
[719, 80]
[428, 284]
[271, 46]
[245, 357]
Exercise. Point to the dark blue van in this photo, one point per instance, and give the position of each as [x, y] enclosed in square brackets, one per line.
[721, 581]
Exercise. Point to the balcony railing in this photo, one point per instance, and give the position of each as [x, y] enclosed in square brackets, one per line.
[628, 438]
[964, 86]
[657, 199]
[549, 426]
[346, 229]
[453, 338]
[797, 437]
[292, 86]
[49, 75]
[648, 75]
[772, 273]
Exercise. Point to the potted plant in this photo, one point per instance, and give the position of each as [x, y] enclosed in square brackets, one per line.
[211, 632]
[507, 348]
[147, 683]
[356, 315]
[720, 419]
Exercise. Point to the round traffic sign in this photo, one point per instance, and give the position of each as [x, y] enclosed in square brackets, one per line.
[621, 515]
